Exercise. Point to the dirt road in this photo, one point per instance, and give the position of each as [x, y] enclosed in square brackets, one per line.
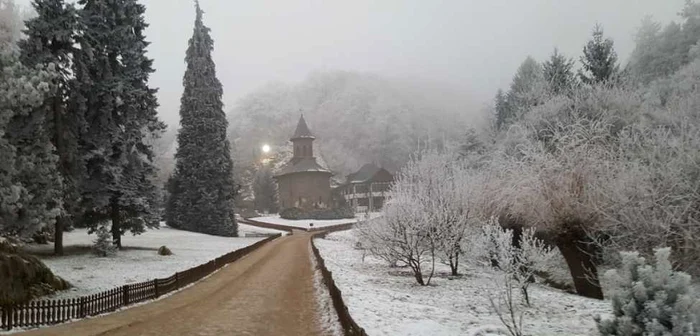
[268, 292]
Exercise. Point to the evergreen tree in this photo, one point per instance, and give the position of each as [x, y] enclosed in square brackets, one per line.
[29, 181]
[599, 59]
[265, 190]
[501, 107]
[526, 90]
[651, 299]
[50, 39]
[119, 108]
[558, 73]
[202, 189]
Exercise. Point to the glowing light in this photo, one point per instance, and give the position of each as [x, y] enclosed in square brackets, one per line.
[266, 148]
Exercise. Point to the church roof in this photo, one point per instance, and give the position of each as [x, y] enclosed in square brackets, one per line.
[302, 130]
[301, 165]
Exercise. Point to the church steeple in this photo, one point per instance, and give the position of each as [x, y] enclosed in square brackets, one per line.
[302, 130]
[303, 140]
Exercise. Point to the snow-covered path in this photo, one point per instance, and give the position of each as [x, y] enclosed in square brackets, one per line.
[268, 292]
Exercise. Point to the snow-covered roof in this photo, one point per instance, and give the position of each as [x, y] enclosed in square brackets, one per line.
[300, 165]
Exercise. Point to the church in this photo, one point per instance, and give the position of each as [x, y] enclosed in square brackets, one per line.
[303, 182]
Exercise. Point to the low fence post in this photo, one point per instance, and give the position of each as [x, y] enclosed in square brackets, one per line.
[5, 317]
[81, 309]
[177, 280]
[125, 292]
[155, 287]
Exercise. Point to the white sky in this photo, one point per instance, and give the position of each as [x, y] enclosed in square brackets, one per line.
[475, 45]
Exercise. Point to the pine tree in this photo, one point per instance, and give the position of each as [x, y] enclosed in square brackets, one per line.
[558, 73]
[265, 190]
[651, 299]
[501, 107]
[119, 108]
[103, 246]
[202, 197]
[29, 182]
[526, 90]
[599, 59]
[50, 39]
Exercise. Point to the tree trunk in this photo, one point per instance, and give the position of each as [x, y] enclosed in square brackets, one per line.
[116, 224]
[417, 272]
[62, 169]
[58, 236]
[454, 264]
[579, 257]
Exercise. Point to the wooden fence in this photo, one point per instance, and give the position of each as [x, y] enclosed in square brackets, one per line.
[43, 312]
[350, 327]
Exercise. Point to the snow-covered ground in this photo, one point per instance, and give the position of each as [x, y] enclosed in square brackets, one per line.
[305, 223]
[139, 261]
[387, 301]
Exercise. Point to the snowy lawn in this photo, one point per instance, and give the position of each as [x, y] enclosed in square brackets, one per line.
[304, 223]
[387, 301]
[139, 261]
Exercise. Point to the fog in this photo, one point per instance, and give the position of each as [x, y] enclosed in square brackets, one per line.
[474, 46]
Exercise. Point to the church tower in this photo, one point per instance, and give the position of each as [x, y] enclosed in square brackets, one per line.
[303, 182]
[303, 140]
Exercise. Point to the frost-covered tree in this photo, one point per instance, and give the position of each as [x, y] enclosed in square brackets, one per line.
[50, 39]
[265, 190]
[599, 59]
[10, 22]
[429, 215]
[112, 93]
[501, 109]
[528, 89]
[29, 182]
[558, 73]
[651, 299]
[202, 196]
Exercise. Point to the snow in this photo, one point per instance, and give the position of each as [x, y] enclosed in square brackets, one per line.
[304, 223]
[387, 301]
[245, 230]
[138, 262]
[328, 318]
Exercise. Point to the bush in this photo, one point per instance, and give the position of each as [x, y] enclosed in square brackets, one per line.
[318, 214]
[164, 251]
[651, 299]
[103, 244]
[292, 213]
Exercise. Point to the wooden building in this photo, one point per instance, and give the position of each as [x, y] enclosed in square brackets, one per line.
[366, 189]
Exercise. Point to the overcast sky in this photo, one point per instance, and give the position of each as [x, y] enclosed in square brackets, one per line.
[475, 45]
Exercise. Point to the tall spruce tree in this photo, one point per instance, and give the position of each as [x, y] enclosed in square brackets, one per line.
[558, 73]
[29, 182]
[501, 107]
[526, 90]
[50, 37]
[202, 188]
[599, 59]
[119, 108]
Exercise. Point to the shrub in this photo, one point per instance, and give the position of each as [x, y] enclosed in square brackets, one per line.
[651, 299]
[103, 246]
[318, 214]
[164, 251]
[291, 213]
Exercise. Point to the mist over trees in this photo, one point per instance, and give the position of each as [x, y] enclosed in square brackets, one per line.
[595, 164]
[358, 118]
